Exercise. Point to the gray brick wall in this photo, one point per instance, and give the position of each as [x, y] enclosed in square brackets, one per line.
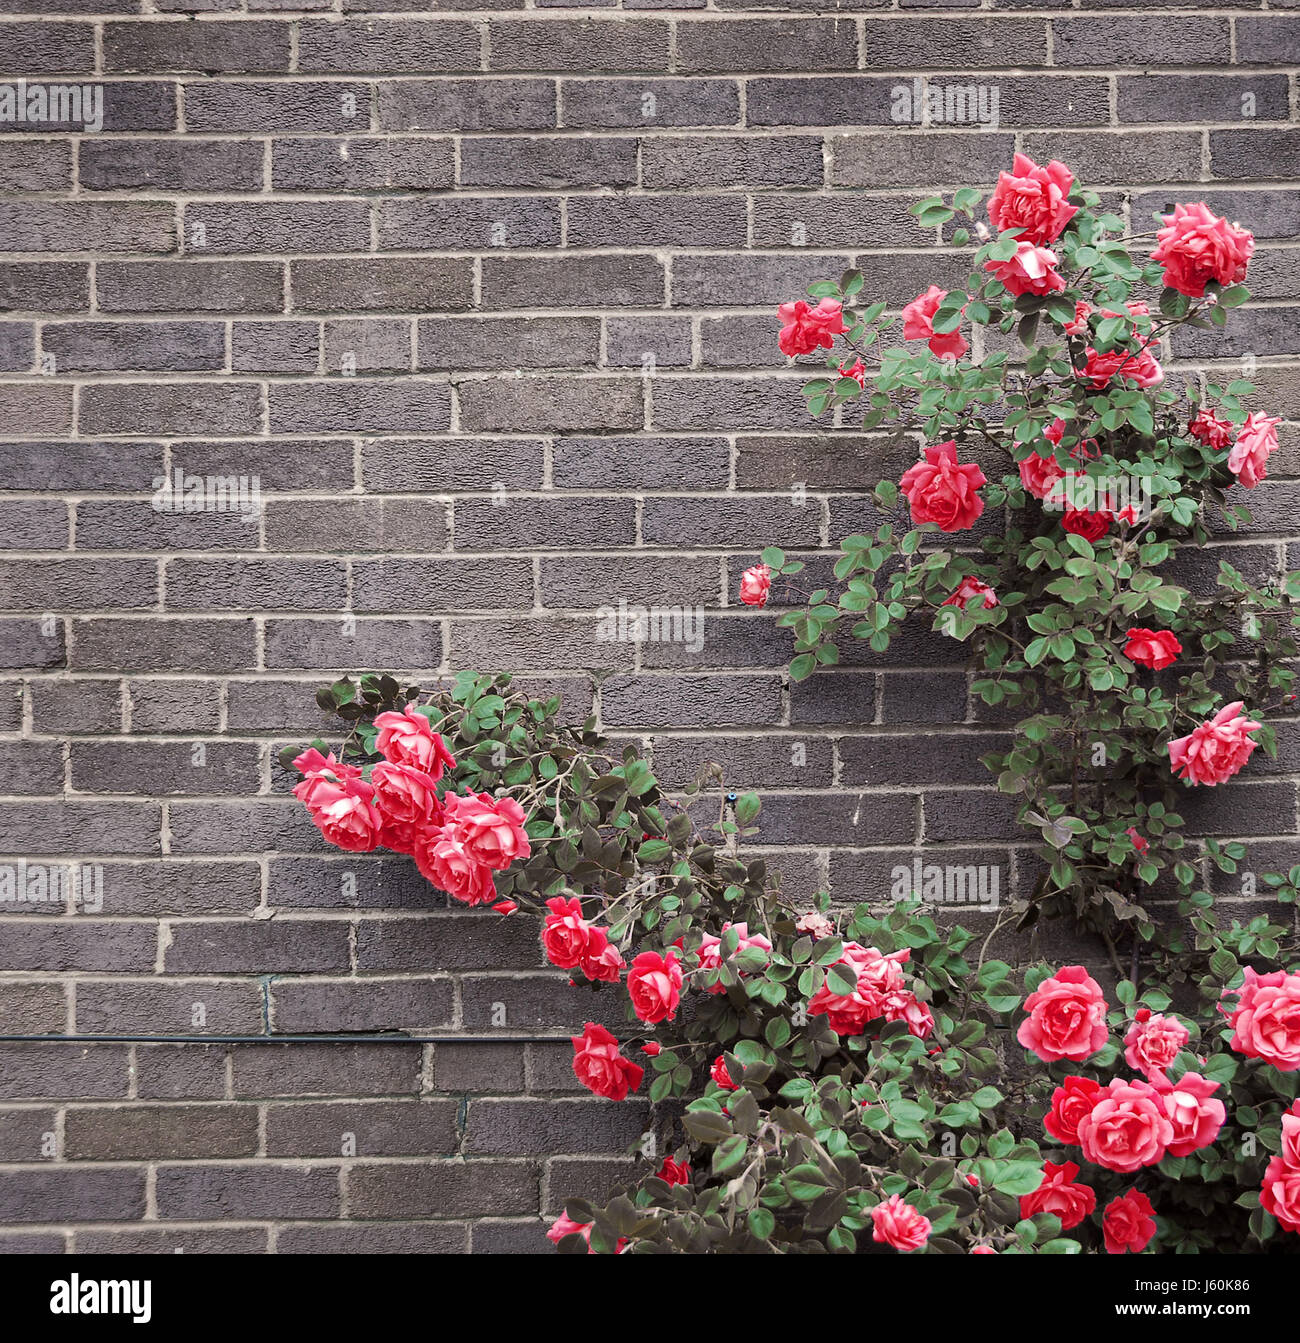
[383, 261]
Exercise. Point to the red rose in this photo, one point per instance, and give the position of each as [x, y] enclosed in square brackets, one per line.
[1196, 246]
[1152, 648]
[1067, 1017]
[1033, 199]
[806, 329]
[566, 935]
[1070, 1102]
[1090, 526]
[654, 985]
[1128, 1224]
[1211, 430]
[972, 589]
[943, 490]
[675, 1172]
[1141, 367]
[1060, 1196]
[918, 324]
[1127, 1128]
[600, 1067]
[721, 1076]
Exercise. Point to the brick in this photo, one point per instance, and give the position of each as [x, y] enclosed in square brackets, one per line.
[162, 645]
[584, 282]
[198, 1193]
[618, 103]
[376, 1128]
[72, 1194]
[730, 161]
[765, 44]
[32, 644]
[170, 165]
[384, 46]
[256, 584]
[164, 768]
[648, 342]
[32, 766]
[92, 226]
[448, 222]
[507, 342]
[270, 226]
[1195, 99]
[427, 464]
[162, 408]
[281, 947]
[376, 1238]
[33, 524]
[86, 945]
[381, 284]
[191, 286]
[44, 286]
[37, 165]
[51, 48]
[77, 584]
[354, 405]
[702, 701]
[467, 105]
[534, 645]
[265, 107]
[410, 644]
[447, 585]
[40, 408]
[181, 1240]
[155, 347]
[550, 163]
[586, 46]
[700, 281]
[367, 345]
[218, 47]
[172, 706]
[326, 1070]
[362, 165]
[876, 160]
[1110, 156]
[597, 581]
[23, 1134]
[525, 1127]
[497, 1068]
[275, 347]
[32, 1008]
[690, 403]
[171, 1132]
[1272, 39]
[1130, 41]
[535, 404]
[441, 1188]
[800, 760]
[135, 524]
[657, 221]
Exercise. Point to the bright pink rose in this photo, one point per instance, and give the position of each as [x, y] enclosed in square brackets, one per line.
[1090, 526]
[1280, 1194]
[1127, 1128]
[1059, 1195]
[1291, 1135]
[1030, 271]
[754, 585]
[1128, 1223]
[443, 860]
[710, 951]
[1215, 751]
[1070, 1102]
[1067, 1017]
[566, 935]
[318, 770]
[904, 1005]
[1196, 246]
[897, 1223]
[564, 1225]
[1196, 1116]
[982, 1249]
[972, 589]
[877, 976]
[918, 324]
[654, 984]
[1266, 1019]
[603, 961]
[1208, 428]
[490, 829]
[807, 329]
[856, 370]
[1039, 472]
[1152, 648]
[720, 1075]
[1141, 367]
[1033, 199]
[408, 738]
[407, 799]
[600, 1067]
[1153, 1041]
[340, 803]
[674, 1172]
[1256, 442]
[943, 490]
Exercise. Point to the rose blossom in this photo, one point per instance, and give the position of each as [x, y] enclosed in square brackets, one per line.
[1128, 1223]
[1039, 472]
[1209, 429]
[897, 1223]
[599, 1066]
[566, 935]
[877, 976]
[1291, 1135]
[443, 860]
[490, 829]
[1090, 526]
[918, 324]
[1140, 845]
[710, 951]
[1280, 1193]
[1213, 752]
[340, 803]
[754, 583]
[1153, 1041]
[943, 490]
[904, 1005]
[408, 801]
[675, 1172]
[602, 960]
[1266, 1019]
[564, 1225]
[1030, 271]
[1033, 199]
[970, 589]
[1059, 1195]
[1196, 1116]
[720, 1075]
[1073, 1099]
[1141, 367]
[1079, 326]
[408, 738]
[654, 985]
[815, 924]
[856, 370]
[1127, 1127]
[1256, 442]
[1195, 246]
[1152, 648]
[1067, 1017]
[807, 329]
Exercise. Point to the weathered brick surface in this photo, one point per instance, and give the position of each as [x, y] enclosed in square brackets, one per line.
[481, 297]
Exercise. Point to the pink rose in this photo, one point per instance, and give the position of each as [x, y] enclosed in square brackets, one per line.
[654, 984]
[408, 738]
[1280, 1194]
[1152, 648]
[1040, 472]
[918, 324]
[1140, 846]
[806, 329]
[754, 585]
[1067, 1017]
[942, 490]
[1128, 1223]
[1196, 1116]
[1153, 1041]
[904, 1005]
[1141, 367]
[1127, 1128]
[339, 802]
[443, 860]
[1196, 246]
[1033, 199]
[1059, 1195]
[877, 976]
[856, 370]
[603, 962]
[1256, 442]
[564, 1225]
[815, 924]
[1079, 326]
[1213, 752]
[971, 589]
[491, 830]
[408, 801]
[1291, 1135]
[897, 1223]
[721, 1077]
[566, 935]
[1070, 1102]
[600, 1067]
[710, 951]
[1030, 271]
[1208, 428]
[1266, 1019]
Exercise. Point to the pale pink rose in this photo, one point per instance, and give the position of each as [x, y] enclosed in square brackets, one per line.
[754, 585]
[1033, 199]
[814, 924]
[1067, 1017]
[408, 738]
[1213, 752]
[1256, 443]
[897, 1223]
[1196, 1116]
[1153, 1041]
[1031, 271]
[918, 324]
[1195, 246]
[1266, 1019]
[490, 829]
[1127, 1127]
